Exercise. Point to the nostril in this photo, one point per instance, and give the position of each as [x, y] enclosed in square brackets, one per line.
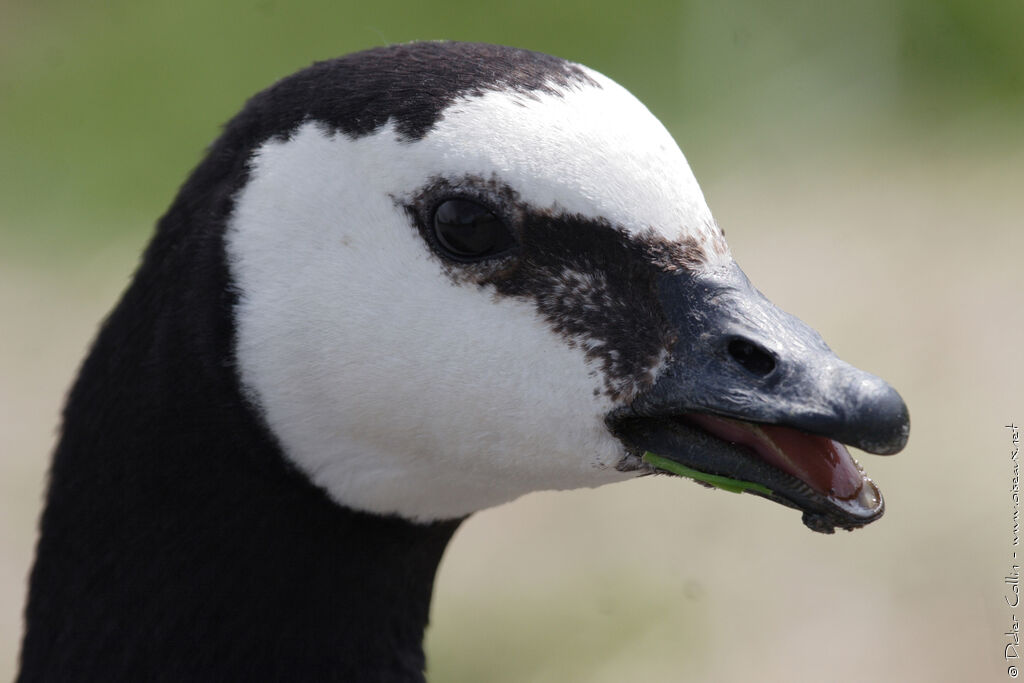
[752, 357]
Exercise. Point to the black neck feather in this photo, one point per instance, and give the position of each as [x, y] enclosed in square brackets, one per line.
[177, 544]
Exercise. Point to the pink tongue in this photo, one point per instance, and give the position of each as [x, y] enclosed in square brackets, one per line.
[823, 464]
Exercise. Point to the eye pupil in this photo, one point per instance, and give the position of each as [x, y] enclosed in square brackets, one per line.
[468, 230]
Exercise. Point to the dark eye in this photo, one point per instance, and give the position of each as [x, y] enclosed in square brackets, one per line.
[467, 230]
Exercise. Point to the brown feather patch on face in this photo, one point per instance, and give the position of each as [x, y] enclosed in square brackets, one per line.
[593, 283]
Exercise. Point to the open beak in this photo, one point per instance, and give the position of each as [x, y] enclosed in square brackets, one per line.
[752, 399]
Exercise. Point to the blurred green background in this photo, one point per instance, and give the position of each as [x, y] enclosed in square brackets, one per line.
[867, 162]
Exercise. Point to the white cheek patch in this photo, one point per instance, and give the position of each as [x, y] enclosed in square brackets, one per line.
[390, 387]
[393, 388]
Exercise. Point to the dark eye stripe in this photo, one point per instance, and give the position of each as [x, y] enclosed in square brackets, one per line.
[467, 230]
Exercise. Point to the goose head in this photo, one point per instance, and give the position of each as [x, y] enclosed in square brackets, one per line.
[464, 273]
